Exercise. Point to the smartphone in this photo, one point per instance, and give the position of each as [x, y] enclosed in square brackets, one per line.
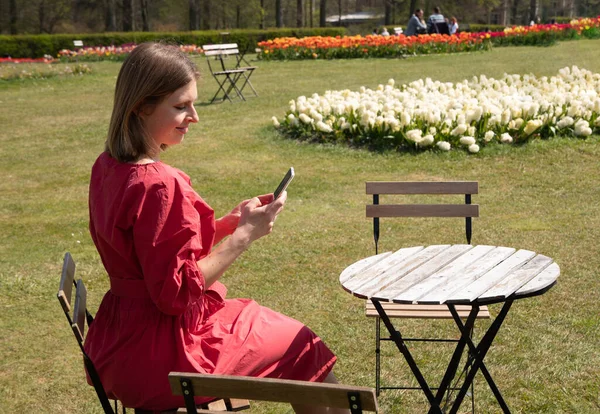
[284, 183]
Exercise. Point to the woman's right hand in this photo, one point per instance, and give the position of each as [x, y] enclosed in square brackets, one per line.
[257, 218]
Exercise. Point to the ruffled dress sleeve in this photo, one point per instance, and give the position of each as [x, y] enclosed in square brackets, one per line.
[169, 239]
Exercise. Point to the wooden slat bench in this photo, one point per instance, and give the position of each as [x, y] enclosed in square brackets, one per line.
[228, 75]
[357, 399]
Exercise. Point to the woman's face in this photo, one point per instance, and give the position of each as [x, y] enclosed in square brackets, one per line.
[168, 122]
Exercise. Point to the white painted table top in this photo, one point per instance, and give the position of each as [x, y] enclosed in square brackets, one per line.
[459, 273]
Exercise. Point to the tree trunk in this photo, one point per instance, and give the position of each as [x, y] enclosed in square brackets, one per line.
[533, 10]
[388, 12]
[278, 13]
[110, 16]
[41, 16]
[323, 13]
[12, 11]
[126, 22]
[205, 14]
[145, 22]
[311, 9]
[194, 24]
[299, 13]
[514, 11]
[411, 9]
[340, 12]
[261, 22]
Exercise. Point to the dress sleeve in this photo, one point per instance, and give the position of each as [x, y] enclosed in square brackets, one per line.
[168, 243]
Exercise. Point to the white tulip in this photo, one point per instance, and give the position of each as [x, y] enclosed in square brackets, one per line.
[506, 138]
[565, 122]
[532, 126]
[467, 140]
[414, 135]
[459, 130]
[275, 122]
[426, 141]
[489, 135]
[305, 118]
[323, 127]
[444, 146]
[474, 148]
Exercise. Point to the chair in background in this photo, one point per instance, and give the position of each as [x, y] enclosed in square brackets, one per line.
[230, 76]
[377, 210]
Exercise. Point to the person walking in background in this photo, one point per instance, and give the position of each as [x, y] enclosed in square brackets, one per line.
[415, 24]
[453, 25]
[384, 32]
[435, 21]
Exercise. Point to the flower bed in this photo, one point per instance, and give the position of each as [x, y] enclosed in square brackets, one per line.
[317, 47]
[33, 70]
[545, 34]
[114, 53]
[427, 114]
[291, 48]
[45, 59]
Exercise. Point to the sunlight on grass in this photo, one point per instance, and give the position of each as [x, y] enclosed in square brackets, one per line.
[543, 196]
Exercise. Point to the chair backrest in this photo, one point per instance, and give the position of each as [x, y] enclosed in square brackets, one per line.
[65, 288]
[221, 52]
[78, 324]
[78, 320]
[466, 210]
[189, 385]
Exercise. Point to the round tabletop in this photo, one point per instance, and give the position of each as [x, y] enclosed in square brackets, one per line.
[459, 273]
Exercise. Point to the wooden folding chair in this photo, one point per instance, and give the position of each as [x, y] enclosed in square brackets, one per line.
[189, 385]
[77, 323]
[227, 76]
[377, 210]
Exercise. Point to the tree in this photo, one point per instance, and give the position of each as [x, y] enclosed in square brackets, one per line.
[388, 12]
[514, 11]
[12, 11]
[278, 13]
[323, 13]
[110, 15]
[533, 11]
[412, 8]
[127, 18]
[299, 13]
[144, 10]
[194, 22]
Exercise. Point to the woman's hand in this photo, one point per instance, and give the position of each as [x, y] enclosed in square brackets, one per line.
[254, 218]
[229, 222]
[257, 217]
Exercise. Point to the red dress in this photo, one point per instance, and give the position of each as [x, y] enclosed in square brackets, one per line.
[150, 228]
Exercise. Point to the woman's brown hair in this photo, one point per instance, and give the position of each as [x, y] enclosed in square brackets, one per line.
[149, 74]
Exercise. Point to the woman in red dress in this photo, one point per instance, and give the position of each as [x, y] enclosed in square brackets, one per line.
[166, 310]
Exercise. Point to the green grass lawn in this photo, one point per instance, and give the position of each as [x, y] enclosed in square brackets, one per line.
[543, 196]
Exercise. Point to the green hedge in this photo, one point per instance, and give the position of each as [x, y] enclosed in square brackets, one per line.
[477, 28]
[35, 46]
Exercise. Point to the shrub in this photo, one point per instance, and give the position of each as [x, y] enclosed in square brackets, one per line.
[34, 46]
